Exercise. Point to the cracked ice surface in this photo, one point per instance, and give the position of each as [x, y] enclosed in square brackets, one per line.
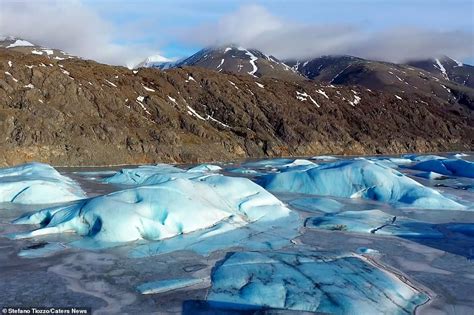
[37, 183]
[375, 222]
[336, 284]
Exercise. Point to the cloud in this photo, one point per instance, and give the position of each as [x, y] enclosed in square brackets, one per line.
[255, 27]
[73, 27]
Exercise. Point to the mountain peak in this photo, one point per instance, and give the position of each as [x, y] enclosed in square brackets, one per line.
[157, 61]
[236, 59]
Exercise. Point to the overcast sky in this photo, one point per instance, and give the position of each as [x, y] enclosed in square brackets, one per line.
[126, 31]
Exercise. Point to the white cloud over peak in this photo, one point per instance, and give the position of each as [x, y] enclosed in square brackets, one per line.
[255, 27]
[71, 26]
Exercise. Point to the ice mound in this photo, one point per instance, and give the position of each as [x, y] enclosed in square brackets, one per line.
[296, 165]
[375, 222]
[139, 175]
[359, 179]
[334, 284]
[205, 168]
[450, 167]
[229, 233]
[392, 162]
[268, 163]
[160, 211]
[156, 174]
[37, 183]
[422, 158]
[281, 165]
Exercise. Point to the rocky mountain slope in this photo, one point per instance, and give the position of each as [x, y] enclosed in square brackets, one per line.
[388, 77]
[448, 69]
[79, 112]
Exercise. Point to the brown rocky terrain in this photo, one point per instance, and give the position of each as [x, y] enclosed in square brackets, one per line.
[79, 112]
[393, 78]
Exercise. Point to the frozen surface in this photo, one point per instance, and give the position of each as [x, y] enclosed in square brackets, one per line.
[37, 183]
[121, 249]
[317, 204]
[336, 284]
[359, 179]
[375, 222]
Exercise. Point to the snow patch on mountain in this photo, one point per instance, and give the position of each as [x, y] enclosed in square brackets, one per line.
[20, 43]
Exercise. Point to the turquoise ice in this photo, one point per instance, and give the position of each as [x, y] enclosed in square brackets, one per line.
[161, 211]
[335, 284]
[37, 183]
[450, 167]
[359, 178]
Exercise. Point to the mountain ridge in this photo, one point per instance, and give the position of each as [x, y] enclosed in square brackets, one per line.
[74, 111]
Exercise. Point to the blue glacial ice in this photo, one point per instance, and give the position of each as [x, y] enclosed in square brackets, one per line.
[463, 228]
[335, 284]
[449, 167]
[160, 173]
[205, 168]
[160, 211]
[37, 183]
[229, 233]
[422, 158]
[161, 286]
[359, 178]
[270, 163]
[280, 165]
[296, 165]
[375, 222]
[391, 162]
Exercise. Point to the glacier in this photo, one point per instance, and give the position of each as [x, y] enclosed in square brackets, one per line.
[160, 211]
[359, 178]
[311, 281]
[352, 241]
[37, 183]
